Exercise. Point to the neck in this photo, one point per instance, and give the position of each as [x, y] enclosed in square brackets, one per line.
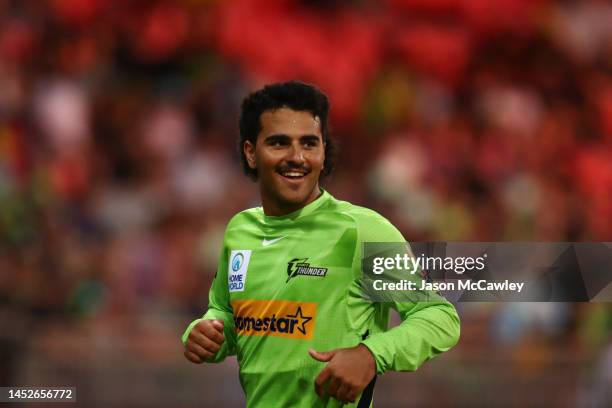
[275, 207]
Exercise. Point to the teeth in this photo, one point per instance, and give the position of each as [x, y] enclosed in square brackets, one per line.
[293, 174]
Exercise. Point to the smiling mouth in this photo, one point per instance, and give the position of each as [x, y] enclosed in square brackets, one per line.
[293, 174]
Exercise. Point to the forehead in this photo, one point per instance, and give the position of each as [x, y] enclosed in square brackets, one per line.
[289, 122]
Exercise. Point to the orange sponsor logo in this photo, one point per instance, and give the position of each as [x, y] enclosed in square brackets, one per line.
[280, 318]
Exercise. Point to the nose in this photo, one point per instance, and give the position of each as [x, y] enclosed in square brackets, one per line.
[296, 154]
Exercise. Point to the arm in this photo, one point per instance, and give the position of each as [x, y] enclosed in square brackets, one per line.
[428, 327]
[218, 309]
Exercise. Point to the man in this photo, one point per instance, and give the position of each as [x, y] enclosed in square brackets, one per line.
[286, 298]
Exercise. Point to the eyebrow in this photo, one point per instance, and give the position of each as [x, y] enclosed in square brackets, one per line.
[283, 135]
[310, 138]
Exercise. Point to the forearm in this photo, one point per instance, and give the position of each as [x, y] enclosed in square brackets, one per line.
[429, 331]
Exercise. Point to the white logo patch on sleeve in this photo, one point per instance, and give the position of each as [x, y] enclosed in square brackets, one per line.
[237, 269]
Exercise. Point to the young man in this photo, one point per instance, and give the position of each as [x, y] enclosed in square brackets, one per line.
[286, 298]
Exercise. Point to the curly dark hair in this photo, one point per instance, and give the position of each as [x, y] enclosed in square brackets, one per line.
[294, 95]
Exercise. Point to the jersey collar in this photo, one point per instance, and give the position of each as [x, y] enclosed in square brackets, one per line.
[309, 209]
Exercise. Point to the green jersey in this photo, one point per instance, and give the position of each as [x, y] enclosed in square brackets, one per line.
[290, 283]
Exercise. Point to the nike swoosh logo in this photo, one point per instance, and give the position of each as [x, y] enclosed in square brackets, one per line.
[267, 242]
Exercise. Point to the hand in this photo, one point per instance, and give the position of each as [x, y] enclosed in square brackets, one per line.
[348, 372]
[204, 341]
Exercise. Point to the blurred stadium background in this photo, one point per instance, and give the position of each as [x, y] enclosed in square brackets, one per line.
[476, 120]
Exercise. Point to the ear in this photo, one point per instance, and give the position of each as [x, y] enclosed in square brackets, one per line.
[249, 152]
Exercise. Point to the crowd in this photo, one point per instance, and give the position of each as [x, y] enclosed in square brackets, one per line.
[456, 119]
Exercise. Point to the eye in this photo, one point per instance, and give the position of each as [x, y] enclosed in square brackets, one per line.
[276, 142]
[310, 143]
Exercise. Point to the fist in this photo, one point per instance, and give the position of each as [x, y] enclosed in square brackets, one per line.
[347, 373]
[204, 341]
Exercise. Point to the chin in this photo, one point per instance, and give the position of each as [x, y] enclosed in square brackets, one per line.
[294, 197]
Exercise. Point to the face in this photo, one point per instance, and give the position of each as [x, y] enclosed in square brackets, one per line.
[289, 155]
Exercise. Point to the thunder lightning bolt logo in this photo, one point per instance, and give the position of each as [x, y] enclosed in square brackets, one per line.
[292, 267]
